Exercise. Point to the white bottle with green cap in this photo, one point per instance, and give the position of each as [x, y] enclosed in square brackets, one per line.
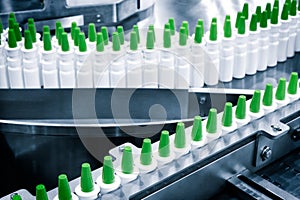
[264, 42]
[83, 66]
[134, 63]
[66, 63]
[92, 37]
[30, 63]
[117, 65]
[274, 38]
[3, 69]
[292, 29]
[284, 34]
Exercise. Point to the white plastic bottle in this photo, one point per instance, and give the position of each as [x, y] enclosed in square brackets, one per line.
[274, 38]
[297, 44]
[3, 69]
[284, 34]
[264, 42]
[292, 29]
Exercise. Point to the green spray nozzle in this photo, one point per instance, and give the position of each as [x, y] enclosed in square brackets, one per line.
[146, 153]
[46, 28]
[281, 88]
[32, 30]
[242, 25]
[253, 22]
[18, 33]
[76, 36]
[151, 27]
[288, 2]
[179, 141]
[108, 172]
[264, 20]
[91, 32]
[167, 26]
[164, 144]
[133, 41]
[64, 42]
[116, 42]
[255, 102]
[172, 25]
[293, 9]
[82, 43]
[245, 10]
[293, 83]
[1, 26]
[227, 115]
[238, 16]
[268, 10]
[121, 34]
[28, 40]
[30, 21]
[136, 29]
[211, 125]
[276, 4]
[127, 160]
[150, 40]
[285, 12]
[268, 95]
[258, 12]
[197, 129]
[198, 34]
[41, 193]
[227, 28]
[213, 33]
[299, 5]
[47, 41]
[240, 112]
[11, 23]
[274, 16]
[201, 23]
[104, 32]
[100, 42]
[64, 192]
[86, 179]
[167, 38]
[12, 16]
[73, 26]
[59, 34]
[12, 41]
[185, 24]
[16, 197]
[182, 36]
[57, 25]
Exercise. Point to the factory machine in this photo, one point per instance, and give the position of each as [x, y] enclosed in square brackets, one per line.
[230, 133]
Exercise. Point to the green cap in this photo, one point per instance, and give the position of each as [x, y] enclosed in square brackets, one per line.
[200, 22]
[213, 33]
[133, 41]
[32, 30]
[245, 10]
[288, 2]
[64, 192]
[76, 36]
[12, 16]
[214, 19]
[30, 21]
[268, 95]
[280, 91]
[146, 153]
[276, 4]
[258, 12]
[255, 102]
[253, 22]
[274, 16]
[167, 38]
[105, 34]
[18, 33]
[12, 42]
[92, 32]
[86, 180]
[167, 26]
[164, 144]
[293, 9]
[116, 42]
[211, 125]
[60, 31]
[264, 20]
[16, 197]
[179, 141]
[150, 40]
[227, 115]
[268, 10]
[293, 83]
[227, 28]
[299, 5]
[11, 23]
[197, 129]
[127, 160]
[64, 42]
[151, 27]
[100, 42]
[73, 26]
[198, 34]
[285, 12]
[182, 36]
[82, 43]
[28, 41]
[57, 25]
[136, 29]
[47, 41]
[121, 34]
[172, 26]
[1, 26]
[240, 112]
[242, 25]
[108, 173]
[238, 16]
[41, 193]
[46, 28]
[185, 24]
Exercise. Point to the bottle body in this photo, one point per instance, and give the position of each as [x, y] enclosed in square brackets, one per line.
[283, 40]
[150, 69]
[134, 69]
[253, 53]
[227, 59]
